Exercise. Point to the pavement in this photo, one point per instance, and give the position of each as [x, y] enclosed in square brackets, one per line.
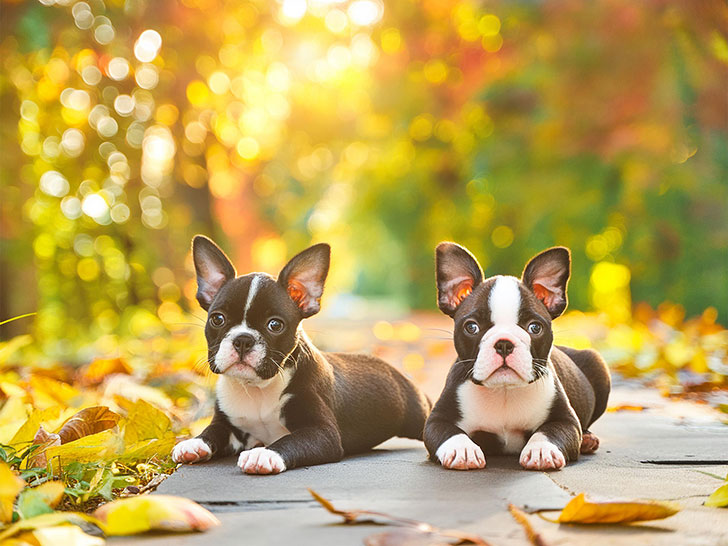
[656, 450]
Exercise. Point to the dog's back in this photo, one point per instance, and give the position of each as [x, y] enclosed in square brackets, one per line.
[374, 402]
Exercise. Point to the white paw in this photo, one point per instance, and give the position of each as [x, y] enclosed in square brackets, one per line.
[540, 454]
[191, 451]
[460, 453]
[260, 460]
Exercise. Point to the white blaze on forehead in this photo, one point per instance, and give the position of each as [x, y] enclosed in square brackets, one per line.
[254, 285]
[504, 300]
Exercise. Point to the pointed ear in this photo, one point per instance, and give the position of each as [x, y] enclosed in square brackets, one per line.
[458, 273]
[547, 274]
[213, 269]
[304, 277]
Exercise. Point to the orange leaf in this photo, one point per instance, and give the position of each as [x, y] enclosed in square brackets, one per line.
[579, 510]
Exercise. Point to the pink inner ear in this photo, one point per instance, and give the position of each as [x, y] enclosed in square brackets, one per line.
[544, 294]
[460, 292]
[297, 293]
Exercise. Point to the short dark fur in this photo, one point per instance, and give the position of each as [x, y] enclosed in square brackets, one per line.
[340, 403]
[581, 377]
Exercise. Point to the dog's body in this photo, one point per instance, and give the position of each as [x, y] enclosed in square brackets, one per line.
[511, 391]
[280, 400]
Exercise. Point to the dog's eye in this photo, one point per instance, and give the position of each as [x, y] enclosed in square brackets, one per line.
[217, 319]
[275, 325]
[471, 327]
[535, 328]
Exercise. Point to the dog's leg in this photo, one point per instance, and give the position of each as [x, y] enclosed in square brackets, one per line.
[589, 442]
[553, 445]
[314, 439]
[214, 441]
[448, 445]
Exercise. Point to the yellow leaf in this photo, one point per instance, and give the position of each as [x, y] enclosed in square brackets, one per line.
[719, 497]
[48, 392]
[93, 448]
[47, 520]
[12, 416]
[10, 486]
[41, 499]
[154, 512]
[101, 368]
[27, 432]
[68, 535]
[145, 422]
[579, 510]
[146, 449]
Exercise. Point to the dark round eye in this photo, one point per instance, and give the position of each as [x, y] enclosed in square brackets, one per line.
[471, 327]
[275, 325]
[217, 319]
[535, 328]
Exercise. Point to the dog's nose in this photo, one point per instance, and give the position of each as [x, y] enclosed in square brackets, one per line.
[243, 343]
[504, 347]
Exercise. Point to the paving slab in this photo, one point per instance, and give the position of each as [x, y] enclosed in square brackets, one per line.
[396, 478]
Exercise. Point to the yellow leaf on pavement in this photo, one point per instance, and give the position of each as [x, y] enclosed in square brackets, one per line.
[67, 535]
[579, 510]
[10, 486]
[719, 497]
[154, 512]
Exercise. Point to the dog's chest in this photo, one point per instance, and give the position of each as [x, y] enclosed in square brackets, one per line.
[510, 413]
[255, 410]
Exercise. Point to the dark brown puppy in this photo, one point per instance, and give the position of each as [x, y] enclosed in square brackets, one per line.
[511, 390]
[280, 400]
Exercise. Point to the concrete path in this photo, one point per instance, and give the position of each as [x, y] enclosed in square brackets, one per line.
[396, 478]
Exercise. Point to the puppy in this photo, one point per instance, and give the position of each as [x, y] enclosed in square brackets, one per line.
[511, 390]
[280, 400]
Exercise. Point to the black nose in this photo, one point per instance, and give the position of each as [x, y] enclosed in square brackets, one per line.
[504, 347]
[243, 343]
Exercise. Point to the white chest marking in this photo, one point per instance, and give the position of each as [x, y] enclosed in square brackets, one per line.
[511, 413]
[255, 409]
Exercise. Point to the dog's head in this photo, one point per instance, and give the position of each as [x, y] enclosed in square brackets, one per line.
[252, 320]
[502, 324]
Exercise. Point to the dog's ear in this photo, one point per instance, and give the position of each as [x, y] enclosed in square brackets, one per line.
[304, 277]
[547, 274]
[213, 269]
[458, 273]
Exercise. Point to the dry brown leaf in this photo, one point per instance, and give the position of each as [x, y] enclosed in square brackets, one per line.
[86, 422]
[521, 517]
[579, 510]
[352, 516]
[44, 439]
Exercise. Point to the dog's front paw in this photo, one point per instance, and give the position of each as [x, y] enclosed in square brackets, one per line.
[540, 454]
[460, 453]
[260, 460]
[191, 451]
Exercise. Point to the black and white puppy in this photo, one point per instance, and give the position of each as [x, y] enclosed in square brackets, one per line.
[511, 390]
[280, 400]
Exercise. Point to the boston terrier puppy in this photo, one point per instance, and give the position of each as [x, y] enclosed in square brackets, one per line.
[281, 401]
[511, 390]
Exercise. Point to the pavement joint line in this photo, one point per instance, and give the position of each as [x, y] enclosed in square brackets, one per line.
[562, 486]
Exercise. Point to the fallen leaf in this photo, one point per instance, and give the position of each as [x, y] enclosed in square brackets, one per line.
[520, 516]
[93, 448]
[43, 439]
[352, 517]
[42, 499]
[719, 497]
[67, 535]
[88, 421]
[145, 422]
[626, 407]
[84, 521]
[579, 510]
[134, 515]
[10, 485]
[101, 368]
[27, 432]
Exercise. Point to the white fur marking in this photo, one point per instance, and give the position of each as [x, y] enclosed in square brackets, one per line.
[504, 300]
[256, 409]
[191, 451]
[261, 460]
[507, 412]
[459, 452]
[226, 354]
[541, 454]
[252, 291]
